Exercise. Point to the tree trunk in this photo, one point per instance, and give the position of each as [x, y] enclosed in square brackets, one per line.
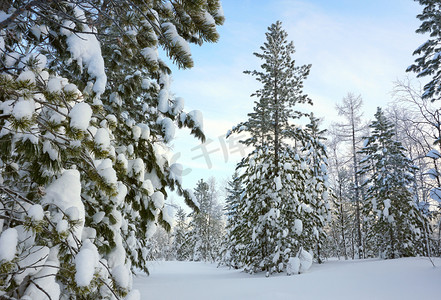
[276, 126]
[357, 196]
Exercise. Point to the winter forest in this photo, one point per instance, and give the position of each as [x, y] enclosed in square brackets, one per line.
[321, 203]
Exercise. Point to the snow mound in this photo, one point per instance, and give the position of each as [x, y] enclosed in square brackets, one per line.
[293, 266]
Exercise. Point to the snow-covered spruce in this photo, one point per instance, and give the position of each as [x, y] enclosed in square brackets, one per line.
[396, 225]
[206, 227]
[283, 207]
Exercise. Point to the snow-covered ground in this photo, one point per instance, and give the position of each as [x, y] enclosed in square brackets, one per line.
[406, 278]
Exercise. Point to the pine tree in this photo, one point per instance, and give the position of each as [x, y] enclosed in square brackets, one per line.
[428, 64]
[280, 219]
[86, 105]
[341, 226]
[318, 184]
[160, 246]
[181, 246]
[229, 255]
[206, 226]
[397, 223]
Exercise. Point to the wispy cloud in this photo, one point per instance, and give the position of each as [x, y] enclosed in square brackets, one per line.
[354, 46]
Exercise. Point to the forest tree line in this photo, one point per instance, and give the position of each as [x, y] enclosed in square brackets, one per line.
[87, 118]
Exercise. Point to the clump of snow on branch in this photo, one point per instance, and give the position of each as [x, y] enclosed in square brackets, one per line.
[85, 49]
[80, 116]
[8, 244]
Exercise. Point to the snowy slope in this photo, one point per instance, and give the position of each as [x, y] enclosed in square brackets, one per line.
[407, 278]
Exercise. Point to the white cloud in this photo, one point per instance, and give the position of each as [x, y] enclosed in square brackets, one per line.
[350, 52]
[359, 47]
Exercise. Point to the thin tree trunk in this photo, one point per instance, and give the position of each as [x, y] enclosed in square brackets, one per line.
[276, 126]
[392, 241]
[343, 236]
[357, 196]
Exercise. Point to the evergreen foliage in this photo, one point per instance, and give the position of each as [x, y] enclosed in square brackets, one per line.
[284, 191]
[85, 98]
[229, 254]
[206, 228]
[181, 246]
[428, 62]
[397, 223]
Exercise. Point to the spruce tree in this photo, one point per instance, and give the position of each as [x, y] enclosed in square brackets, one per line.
[428, 62]
[181, 245]
[318, 182]
[86, 108]
[280, 218]
[397, 223]
[229, 255]
[206, 226]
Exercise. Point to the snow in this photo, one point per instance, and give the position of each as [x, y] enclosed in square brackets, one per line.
[47, 148]
[145, 131]
[305, 261]
[8, 244]
[31, 262]
[163, 96]
[386, 207]
[2, 221]
[151, 54]
[178, 105]
[122, 193]
[62, 226]
[176, 172]
[11, 59]
[167, 215]
[158, 199]
[65, 193]
[175, 39]
[2, 46]
[121, 276]
[278, 183]
[151, 229]
[36, 31]
[433, 154]
[293, 266]
[102, 138]
[46, 278]
[85, 263]
[136, 131]
[435, 194]
[40, 61]
[404, 279]
[298, 226]
[27, 76]
[86, 49]
[54, 85]
[106, 171]
[23, 109]
[133, 295]
[168, 128]
[433, 173]
[80, 116]
[98, 217]
[196, 116]
[137, 168]
[209, 20]
[35, 212]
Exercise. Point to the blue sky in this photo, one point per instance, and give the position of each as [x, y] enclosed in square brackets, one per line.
[358, 46]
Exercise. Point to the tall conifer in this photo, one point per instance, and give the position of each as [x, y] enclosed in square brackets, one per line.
[280, 218]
